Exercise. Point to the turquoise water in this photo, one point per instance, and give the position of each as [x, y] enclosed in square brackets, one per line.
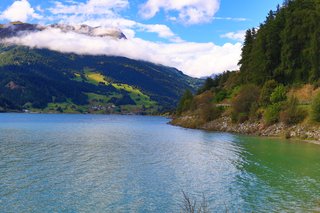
[108, 163]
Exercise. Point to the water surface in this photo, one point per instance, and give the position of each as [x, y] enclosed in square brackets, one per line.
[109, 163]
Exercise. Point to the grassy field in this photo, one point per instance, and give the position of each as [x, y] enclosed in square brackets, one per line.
[139, 97]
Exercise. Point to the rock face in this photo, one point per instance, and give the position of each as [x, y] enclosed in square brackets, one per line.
[91, 31]
[224, 124]
[13, 29]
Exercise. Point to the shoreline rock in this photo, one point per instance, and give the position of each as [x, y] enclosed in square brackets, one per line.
[306, 132]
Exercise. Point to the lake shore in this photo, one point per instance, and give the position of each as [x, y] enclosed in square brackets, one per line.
[305, 132]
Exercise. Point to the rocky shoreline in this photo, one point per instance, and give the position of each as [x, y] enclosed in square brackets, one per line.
[307, 132]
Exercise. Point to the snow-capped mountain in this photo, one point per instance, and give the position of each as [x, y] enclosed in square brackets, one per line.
[18, 28]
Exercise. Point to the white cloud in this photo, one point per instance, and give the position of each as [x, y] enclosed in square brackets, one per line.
[163, 31]
[20, 11]
[195, 59]
[91, 7]
[189, 11]
[128, 26]
[104, 13]
[237, 36]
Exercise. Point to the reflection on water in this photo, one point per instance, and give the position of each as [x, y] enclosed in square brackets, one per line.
[91, 163]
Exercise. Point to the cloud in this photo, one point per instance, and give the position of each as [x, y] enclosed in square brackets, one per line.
[237, 36]
[189, 11]
[20, 11]
[104, 13]
[129, 27]
[195, 59]
[163, 31]
[91, 7]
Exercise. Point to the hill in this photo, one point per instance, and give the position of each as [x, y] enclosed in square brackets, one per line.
[49, 81]
[277, 89]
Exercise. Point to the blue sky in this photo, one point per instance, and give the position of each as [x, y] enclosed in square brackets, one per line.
[253, 11]
[203, 26]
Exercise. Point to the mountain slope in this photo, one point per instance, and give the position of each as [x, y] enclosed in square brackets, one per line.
[53, 81]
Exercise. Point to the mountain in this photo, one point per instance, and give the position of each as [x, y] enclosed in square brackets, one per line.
[49, 81]
[19, 28]
[34, 79]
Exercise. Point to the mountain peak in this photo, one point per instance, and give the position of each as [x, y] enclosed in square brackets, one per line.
[91, 31]
[17, 28]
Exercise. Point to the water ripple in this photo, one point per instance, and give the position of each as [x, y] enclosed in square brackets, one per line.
[84, 163]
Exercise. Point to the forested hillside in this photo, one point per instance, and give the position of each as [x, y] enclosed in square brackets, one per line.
[286, 47]
[278, 80]
[49, 81]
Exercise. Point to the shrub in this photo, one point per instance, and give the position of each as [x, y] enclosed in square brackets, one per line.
[209, 112]
[220, 96]
[208, 84]
[242, 103]
[203, 98]
[279, 94]
[315, 108]
[266, 92]
[242, 117]
[255, 113]
[292, 113]
[271, 114]
[185, 102]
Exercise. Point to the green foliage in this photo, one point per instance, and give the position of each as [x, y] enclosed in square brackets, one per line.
[266, 92]
[255, 113]
[292, 114]
[185, 102]
[282, 52]
[315, 108]
[279, 94]
[286, 47]
[277, 98]
[243, 102]
[272, 113]
[220, 96]
[35, 76]
[224, 81]
[208, 84]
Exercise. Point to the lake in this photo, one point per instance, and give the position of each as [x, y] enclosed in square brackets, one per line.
[112, 163]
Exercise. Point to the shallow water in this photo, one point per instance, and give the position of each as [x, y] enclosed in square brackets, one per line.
[109, 163]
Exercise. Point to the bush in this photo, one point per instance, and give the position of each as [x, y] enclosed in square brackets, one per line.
[243, 102]
[185, 102]
[271, 114]
[220, 96]
[266, 92]
[208, 84]
[209, 112]
[292, 113]
[279, 94]
[255, 112]
[315, 108]
[203, 99]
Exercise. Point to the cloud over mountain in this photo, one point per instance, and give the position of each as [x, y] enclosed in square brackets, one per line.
[195, 59]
